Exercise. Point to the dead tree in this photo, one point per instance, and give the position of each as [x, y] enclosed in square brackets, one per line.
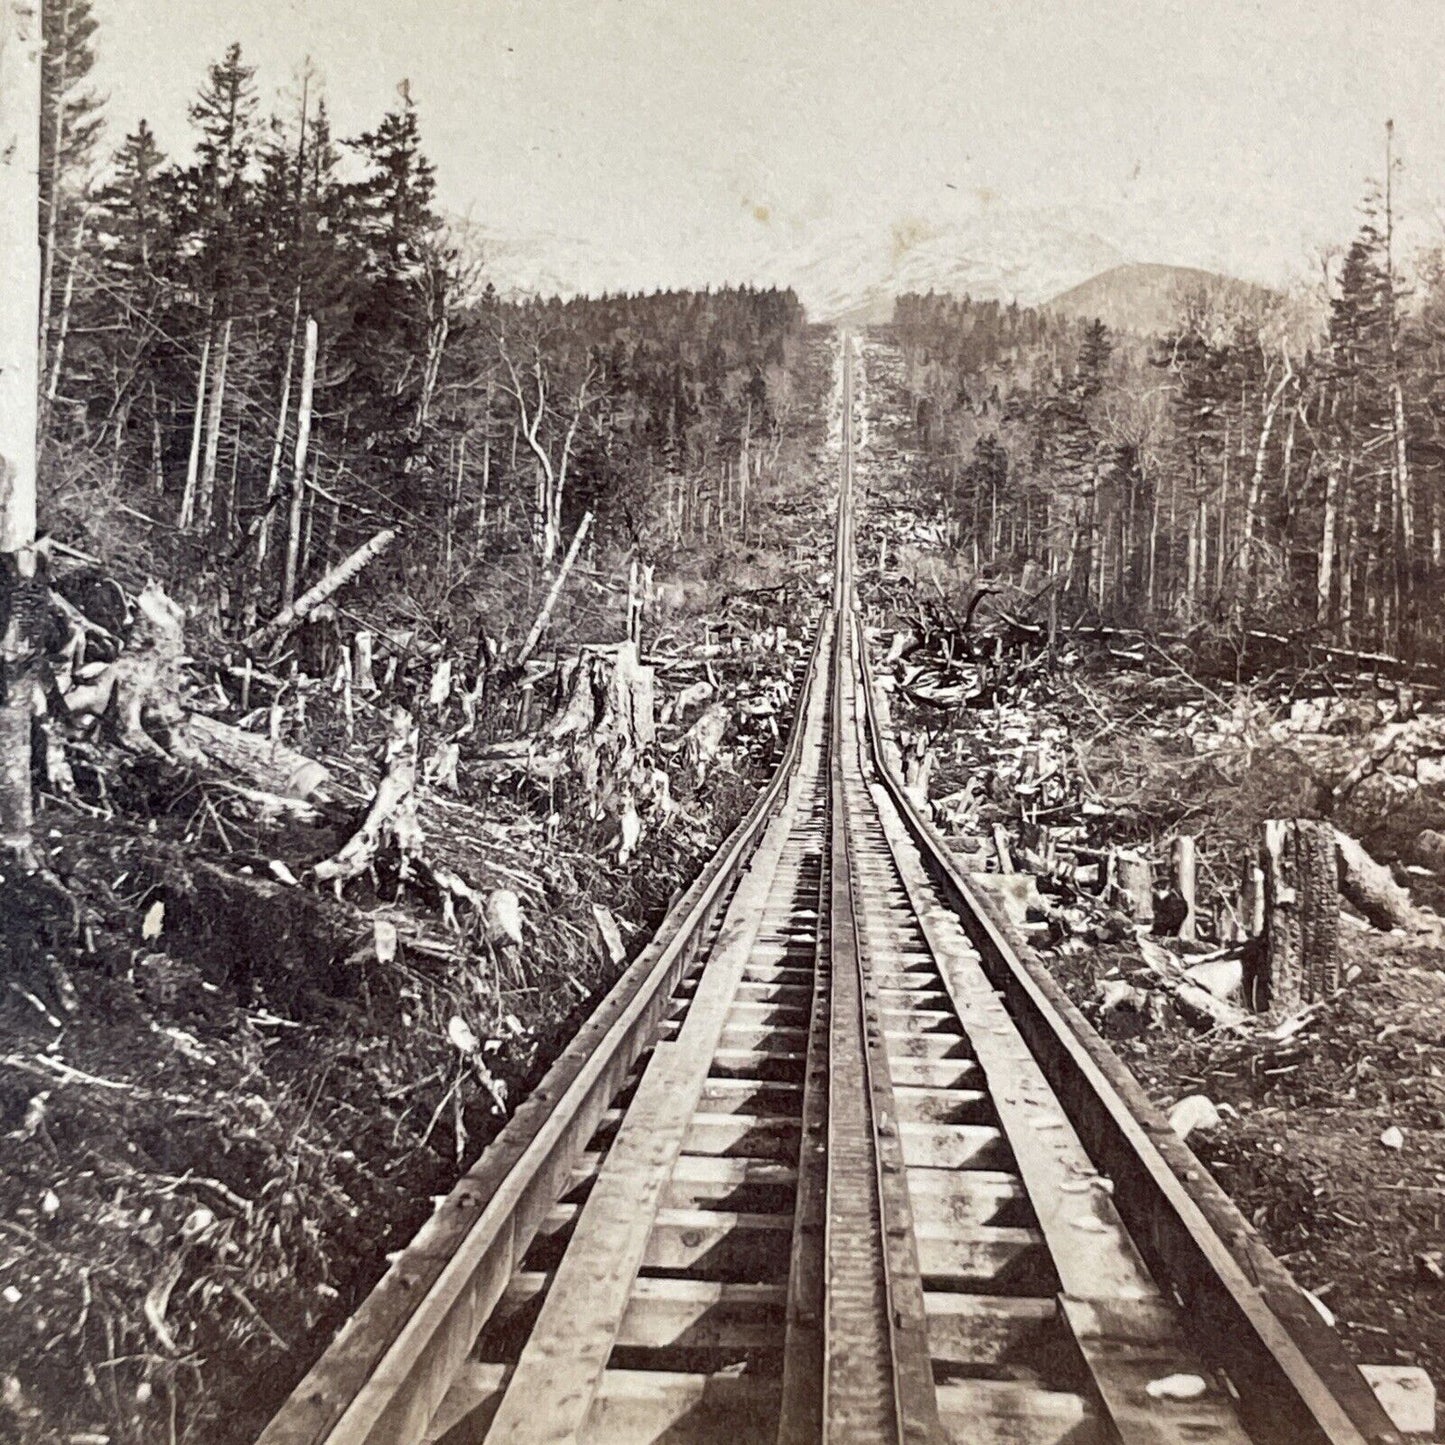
[1299, 961]
[549, 431]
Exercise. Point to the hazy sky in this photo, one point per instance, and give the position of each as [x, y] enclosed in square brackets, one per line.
[694, 136]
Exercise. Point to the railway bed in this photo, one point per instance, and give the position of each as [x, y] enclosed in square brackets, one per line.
[833, 1162]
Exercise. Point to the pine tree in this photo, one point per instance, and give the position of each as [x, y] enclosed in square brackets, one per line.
[218, 188]
[132, 258]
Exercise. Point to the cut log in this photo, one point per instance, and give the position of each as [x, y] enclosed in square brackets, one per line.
[1185, 885]
[917, 768]
[1300, 960]
[1251, 900]
[632, 698]
[1371, 887]
[270, 765]
[361, 655]
[1202, 1007]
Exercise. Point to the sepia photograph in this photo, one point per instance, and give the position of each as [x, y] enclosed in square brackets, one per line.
[722, 723]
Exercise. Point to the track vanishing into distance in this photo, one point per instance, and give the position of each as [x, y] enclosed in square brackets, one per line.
[834, 1163]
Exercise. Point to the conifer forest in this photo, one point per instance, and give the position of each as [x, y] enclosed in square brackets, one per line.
[472, 735]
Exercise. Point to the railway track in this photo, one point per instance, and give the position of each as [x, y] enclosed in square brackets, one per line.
[833, 1163]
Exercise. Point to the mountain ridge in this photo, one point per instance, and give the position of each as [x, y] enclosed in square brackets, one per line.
[1145, 296]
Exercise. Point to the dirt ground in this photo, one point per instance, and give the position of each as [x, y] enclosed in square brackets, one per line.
[224, 1102]
[1299, 1144]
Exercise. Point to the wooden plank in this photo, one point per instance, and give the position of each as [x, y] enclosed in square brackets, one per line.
[696, 1314]
[999, 1412]
[965, 1198]
[1127, 1345]
[550, 1394]
[995, 1331]
[757, 1136]
[935, 1073]
[941, 1106]
[987, 1259]
[750, 1096]
[755, 1063]
[672, 1313]
[640, 1407]
[953, 1146]
[632, 1407]
[764, 1036]
[720, 1244]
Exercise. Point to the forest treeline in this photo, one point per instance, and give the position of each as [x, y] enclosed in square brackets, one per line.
[1243, 470]
[261, 352]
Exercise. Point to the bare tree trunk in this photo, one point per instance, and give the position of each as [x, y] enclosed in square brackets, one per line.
[57, 154]
[1256, 479]
[1150, 585]
[486, 486]
[1324, 578]
[744, 467]
[158, 470]
[298, 468]
[57, 360]
[1403, 498]
[1191, 576]
[232, 492]
[278, 444]
[20, 43]
[214, 414]
[193, 465]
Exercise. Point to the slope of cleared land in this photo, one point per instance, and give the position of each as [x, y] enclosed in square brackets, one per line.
[1330, 1122]
[229, 1089]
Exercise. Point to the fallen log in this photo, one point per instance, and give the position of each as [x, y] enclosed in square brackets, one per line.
[314, 596]
[555, 591]
[392, 814]
[270, 765]
[1371, 888]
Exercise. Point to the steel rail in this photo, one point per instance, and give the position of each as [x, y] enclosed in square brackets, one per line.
[383, 1376]
[1291, 1375]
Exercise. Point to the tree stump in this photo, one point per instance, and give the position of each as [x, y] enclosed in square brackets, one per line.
[1134, 885]
[1300, 958]
[1184, 884]
[1251, 900]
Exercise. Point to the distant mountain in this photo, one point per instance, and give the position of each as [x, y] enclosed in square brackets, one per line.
[841, 269]
[1145, 297]
[856, 273]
